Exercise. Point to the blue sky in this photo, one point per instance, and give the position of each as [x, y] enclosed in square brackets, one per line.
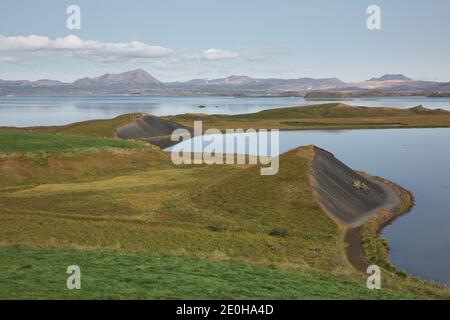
[186, 39]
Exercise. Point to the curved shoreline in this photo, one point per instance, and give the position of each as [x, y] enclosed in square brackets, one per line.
[357, 201]
[353, 236]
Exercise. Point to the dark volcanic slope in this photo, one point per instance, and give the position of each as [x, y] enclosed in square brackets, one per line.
[150, 128]
[338, 189]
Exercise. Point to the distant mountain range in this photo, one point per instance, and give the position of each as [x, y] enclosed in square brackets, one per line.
[392, 77]
[137, 79]
[139, 82]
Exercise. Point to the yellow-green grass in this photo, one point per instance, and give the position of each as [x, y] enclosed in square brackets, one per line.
[41, 274]
[177, 210]
[25, 169]
[29, 158]
[323, 116]
[136, 201]
[105, 128]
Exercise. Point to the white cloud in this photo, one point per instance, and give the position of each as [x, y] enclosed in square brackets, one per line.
[7, 59]
[217, 54]
[83, 48]
[213, 54]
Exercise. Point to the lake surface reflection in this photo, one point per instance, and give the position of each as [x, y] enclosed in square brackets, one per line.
[33, 111]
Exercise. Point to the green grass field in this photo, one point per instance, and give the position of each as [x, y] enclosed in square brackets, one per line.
[22, 141]
[41, 274]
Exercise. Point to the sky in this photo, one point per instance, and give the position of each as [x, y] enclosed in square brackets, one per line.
[178, 40]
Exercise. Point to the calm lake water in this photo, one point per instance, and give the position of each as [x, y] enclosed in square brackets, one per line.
[417, 159]
[32, 111]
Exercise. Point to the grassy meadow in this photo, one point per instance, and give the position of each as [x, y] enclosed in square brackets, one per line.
[141, 227]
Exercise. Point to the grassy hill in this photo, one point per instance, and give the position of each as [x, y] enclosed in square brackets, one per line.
[324, 116]
[104, 128]
[123, 212]
[30, 158]
[339, 110]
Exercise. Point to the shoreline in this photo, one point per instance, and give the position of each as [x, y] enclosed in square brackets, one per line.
[354, 236]
[360, 204]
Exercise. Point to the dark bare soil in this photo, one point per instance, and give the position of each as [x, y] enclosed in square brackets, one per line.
[338, 189]
[350, 198]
